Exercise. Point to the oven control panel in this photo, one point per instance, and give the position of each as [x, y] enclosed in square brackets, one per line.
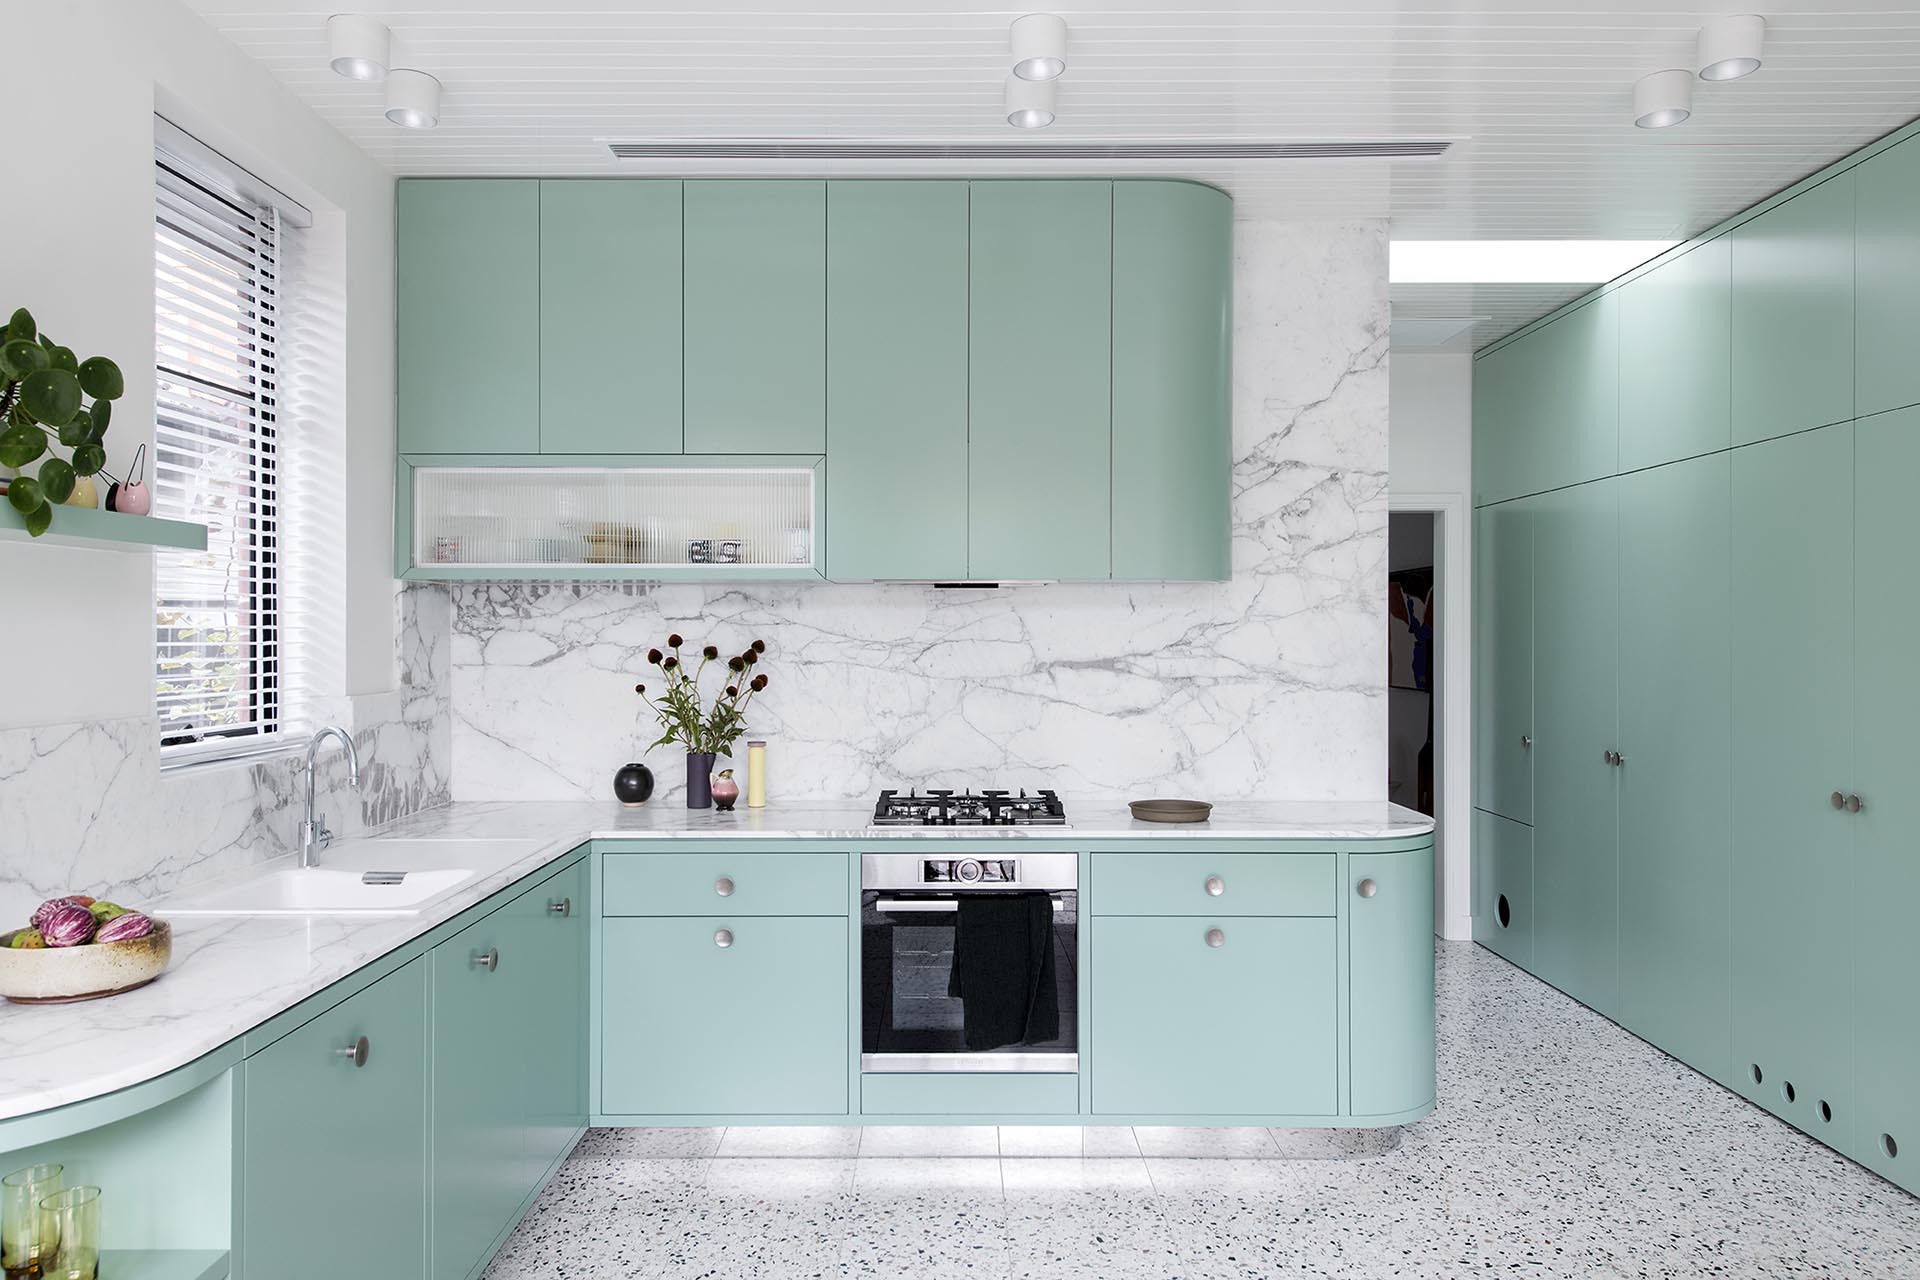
[970, 871]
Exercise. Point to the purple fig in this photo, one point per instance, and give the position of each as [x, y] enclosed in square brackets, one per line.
[125, 928]
[40, 913]
[67, 925]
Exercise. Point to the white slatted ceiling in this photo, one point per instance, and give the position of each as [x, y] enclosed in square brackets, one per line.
[1537, 91]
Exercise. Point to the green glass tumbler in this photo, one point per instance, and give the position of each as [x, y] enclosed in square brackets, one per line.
[20, 1195]
[70, 1234]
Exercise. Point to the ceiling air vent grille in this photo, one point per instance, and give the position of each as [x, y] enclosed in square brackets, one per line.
[1105, 152]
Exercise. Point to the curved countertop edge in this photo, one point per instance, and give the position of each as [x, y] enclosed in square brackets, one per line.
[231, 974]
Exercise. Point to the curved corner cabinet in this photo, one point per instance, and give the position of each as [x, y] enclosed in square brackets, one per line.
[997, 380]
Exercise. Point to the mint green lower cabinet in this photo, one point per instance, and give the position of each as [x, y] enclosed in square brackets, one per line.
[1243, 1028]
[692, 1027]
[1503, 886]
[1677, 634]
[1503, 659]
[334, 1154]
[549, 927]
[1390, 981]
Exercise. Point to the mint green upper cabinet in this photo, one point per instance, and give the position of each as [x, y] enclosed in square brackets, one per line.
[1039, 487]
[896, 380]
[1575, 789]
[1886, 281]
[755, 316]
[1886, 873]
[1572, 403]
[1503, 443]
[1677, 632]
[467, 275]
[1675, 393]
[1172, 423]
[1793, 314]
[609, 317]
[1793, 682]
[1503, 659]
[1390, 981]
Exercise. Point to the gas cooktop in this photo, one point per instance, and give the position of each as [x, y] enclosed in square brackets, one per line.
[938, 808]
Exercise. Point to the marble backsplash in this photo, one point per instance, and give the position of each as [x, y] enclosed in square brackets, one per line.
[87, 808]
[1268, 686]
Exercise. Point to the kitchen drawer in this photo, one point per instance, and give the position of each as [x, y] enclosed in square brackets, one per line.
[1182, 884]
[700, 882]
[969, 1093]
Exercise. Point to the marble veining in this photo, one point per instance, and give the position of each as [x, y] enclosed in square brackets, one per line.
[1267, 686]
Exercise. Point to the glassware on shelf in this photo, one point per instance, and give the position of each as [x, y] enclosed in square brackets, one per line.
[20, 1195]
[70, 1234]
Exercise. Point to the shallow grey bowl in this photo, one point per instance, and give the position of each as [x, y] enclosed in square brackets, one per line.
[1170, 810]
[59, 975]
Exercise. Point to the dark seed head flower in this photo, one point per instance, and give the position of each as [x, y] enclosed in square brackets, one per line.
[759, 646]
[736, 664]
[710, 653]
[670, 664]
[749, 657]
[653, 656]
[733, 691]
[674, 641]
[759, 683]
[639, 688]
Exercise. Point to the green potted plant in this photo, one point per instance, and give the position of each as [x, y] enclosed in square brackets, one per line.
[43, 401]
[686, 717]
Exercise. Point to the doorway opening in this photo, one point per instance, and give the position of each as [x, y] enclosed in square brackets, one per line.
[1413, 642]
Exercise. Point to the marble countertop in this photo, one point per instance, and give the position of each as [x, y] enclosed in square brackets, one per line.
[230, 974]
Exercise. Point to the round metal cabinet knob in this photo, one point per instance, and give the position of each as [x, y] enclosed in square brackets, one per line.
[1216, 937]
[723, 937]
[488, 959]
[358, 1052]
[1839, 800]
[1215, 886]
[1526, 740]
[560, 907]
[1854, 804]
[1367, 888]
[723, 886]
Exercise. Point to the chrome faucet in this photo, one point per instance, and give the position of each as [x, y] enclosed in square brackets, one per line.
[314, 835]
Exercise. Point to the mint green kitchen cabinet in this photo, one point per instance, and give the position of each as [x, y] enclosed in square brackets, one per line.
[1676, 396]
[896, 380]
[1504, 442]
[548, 926]
[737, 881]
[1793, 675]
[755, 316]
[334, 1145]
[1886, 281]
[724, 1015]
[1390, 1061]
[467, 298]
[1677, 633]
[1503, 886]
[1172, 420]
[1215, 884]
[1884, 884]
[1503, 659]
[609, 316]
[1793, 277]
[1040, 325]
[1573, 397]
[1234, 1016]
[1575, 786]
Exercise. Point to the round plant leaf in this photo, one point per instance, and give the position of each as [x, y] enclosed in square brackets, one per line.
[51, 395]
[19, 357]
[21, 325]
[100, 378]
[88, 459]
[23, 492]
[63, 358]
[21, 445]
[38, 520]
[102, 413]
[57, 479]
[77, 432]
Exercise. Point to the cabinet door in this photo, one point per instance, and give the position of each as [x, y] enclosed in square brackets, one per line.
[1676, 712]
[1572, 405]
[1503, 444]
[1675, 395]
[548, 928]
[1246, 1028]
[1172, 424]
[1793, 314]
[335, 1154]
[690, 1027]
[1503, 887]
[1885, 885]
[1575, 809]
[1390, 981]
[1503, 659]
[1886, 281]
[1793, 681]
[478, 1138]
[896, 380]
[1039, 376]
[755, 316]
[609, 316]
[467, 272]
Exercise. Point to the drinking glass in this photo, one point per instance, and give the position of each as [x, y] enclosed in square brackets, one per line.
[20, 1195]
[70, 1234]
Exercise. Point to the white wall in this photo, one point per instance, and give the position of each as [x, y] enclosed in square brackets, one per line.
[1430, 468]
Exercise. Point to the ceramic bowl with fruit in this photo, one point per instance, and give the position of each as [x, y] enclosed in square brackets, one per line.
[79, 948]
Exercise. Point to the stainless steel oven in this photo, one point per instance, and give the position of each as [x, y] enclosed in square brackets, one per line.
[951, 982]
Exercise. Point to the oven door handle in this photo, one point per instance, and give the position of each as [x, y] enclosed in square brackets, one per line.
[903, 906]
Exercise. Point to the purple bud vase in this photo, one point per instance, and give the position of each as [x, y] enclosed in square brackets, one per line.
[725, 790]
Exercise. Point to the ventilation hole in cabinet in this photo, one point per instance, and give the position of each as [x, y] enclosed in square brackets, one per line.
[1826, 1112]
[1786, 1090]
[1888, 1145]
[1506, 912]
[1756, 1073]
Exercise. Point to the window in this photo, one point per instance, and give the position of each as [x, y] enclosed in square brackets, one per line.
[216, 460]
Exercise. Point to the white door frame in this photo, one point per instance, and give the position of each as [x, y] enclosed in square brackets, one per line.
[1452, 708]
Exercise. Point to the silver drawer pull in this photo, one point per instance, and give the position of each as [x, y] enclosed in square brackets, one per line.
[723, 886]
[1367, 888]
[358, 1052]
[488, 959]
[723, 937]
[560, 907]
[1215, 886]
[1216, 937]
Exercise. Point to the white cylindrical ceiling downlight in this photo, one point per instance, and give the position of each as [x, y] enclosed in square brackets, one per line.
[1730, 47]
[1029, 103]
[361, 47]
[1663, 99]
[1039, 46]
[413, 98]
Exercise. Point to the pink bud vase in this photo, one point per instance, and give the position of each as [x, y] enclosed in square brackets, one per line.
[725, 790]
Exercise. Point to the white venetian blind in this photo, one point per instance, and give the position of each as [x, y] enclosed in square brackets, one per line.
[217, 456]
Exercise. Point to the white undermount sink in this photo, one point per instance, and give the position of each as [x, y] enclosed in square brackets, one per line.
[354, 878]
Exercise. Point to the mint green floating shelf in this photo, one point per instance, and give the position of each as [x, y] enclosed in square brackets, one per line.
[106, 530]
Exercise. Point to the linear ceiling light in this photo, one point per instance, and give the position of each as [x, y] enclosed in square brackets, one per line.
[1039, 46]
[361, 47]
[1517, 261]
[413, 98]
[1730, 47]
[1663, 99]
[1029, 103]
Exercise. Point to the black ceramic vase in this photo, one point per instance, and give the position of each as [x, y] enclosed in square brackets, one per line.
[633, 784]
[699, 779]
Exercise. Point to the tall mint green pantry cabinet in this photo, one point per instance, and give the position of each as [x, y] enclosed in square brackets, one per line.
[1758, 917]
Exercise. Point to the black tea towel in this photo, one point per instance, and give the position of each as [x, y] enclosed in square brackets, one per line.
[1003, 969]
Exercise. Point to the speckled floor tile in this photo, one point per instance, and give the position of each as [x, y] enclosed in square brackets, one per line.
[958, 1178]
[779, 1178]
[649, 1143]
[892, 1141]
[1218, 1144]
[791, 1140]
[930, 1238]
[1053, 1178]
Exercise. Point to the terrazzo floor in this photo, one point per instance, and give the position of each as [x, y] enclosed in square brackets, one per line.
[1562, 1146]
